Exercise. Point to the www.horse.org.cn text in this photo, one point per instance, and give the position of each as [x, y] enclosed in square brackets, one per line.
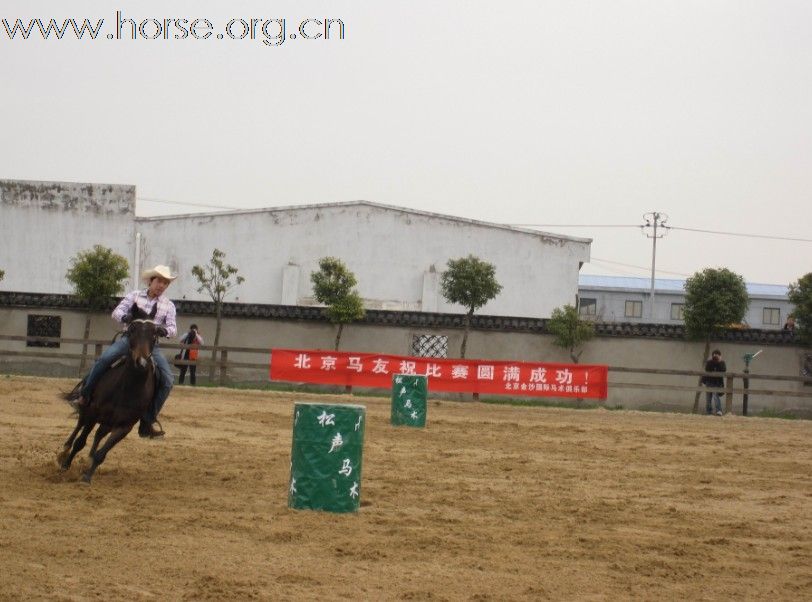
[270, 32]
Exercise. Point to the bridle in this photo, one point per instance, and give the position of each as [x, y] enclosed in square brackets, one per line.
[154, 335]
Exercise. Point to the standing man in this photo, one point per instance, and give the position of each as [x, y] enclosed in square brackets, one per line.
[157, 280]
[714, 364]
[193, 340]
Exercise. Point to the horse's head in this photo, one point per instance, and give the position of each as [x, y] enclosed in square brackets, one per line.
[143, 334]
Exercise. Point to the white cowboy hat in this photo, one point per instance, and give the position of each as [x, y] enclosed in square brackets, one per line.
[159, 270]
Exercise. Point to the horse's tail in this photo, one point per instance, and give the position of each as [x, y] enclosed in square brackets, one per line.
[71, 396]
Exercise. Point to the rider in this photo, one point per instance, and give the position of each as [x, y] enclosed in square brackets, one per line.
[158, 280]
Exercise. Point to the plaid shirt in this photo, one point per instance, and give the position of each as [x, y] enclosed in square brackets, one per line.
[165, 316]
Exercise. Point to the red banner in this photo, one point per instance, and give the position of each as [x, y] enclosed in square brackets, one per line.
[455, 375]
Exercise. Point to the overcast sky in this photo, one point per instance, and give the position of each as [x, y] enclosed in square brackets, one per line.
[518, 112]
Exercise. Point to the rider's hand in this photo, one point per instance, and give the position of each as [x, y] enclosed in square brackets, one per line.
[161, 331]
[126, 318]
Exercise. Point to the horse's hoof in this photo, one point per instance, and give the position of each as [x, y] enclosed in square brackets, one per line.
[61, 457]
[86, 479]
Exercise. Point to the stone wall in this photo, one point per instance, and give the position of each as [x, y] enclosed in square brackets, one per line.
[496, 337]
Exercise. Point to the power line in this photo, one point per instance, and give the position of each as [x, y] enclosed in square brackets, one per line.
[699, 230]
[631, 265]
[613, 270]
[742, 234]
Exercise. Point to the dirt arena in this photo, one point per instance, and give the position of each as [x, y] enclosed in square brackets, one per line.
[486, 503]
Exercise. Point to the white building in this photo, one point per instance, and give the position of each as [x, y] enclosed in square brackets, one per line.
[626, 299]
[396, 254]
[44, 224]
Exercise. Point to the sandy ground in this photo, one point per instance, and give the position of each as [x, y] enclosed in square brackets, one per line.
[486, 503]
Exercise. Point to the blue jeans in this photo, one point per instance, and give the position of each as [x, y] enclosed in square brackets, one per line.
[716, 398]
[119, 349]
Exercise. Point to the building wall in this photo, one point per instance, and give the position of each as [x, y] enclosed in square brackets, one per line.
[397, 256]
[611, 306]
[45, 224]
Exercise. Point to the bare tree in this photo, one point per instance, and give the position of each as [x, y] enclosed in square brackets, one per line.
[215, 279]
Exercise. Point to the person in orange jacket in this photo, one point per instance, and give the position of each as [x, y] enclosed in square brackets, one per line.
[194, 340]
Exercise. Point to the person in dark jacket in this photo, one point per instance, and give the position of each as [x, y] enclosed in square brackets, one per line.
[194, 340]
[714, 364]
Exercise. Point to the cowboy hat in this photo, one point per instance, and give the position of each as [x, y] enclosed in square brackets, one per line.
[161, 271]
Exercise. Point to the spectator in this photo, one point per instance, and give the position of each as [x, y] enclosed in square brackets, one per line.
[789, 325]
[715, 364]
[193, 340]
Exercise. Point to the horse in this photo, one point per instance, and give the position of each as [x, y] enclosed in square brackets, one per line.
[121, 397]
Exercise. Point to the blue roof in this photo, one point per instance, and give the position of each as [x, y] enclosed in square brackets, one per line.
[669, 284]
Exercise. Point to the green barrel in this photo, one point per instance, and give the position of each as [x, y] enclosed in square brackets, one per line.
[325, 458]
[409, 393]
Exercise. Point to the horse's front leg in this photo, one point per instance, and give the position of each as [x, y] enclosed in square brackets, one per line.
[78, 444]
[63, 455]
[116, 435]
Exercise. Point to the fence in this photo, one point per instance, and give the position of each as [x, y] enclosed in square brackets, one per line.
[219, 365]
[218, 357]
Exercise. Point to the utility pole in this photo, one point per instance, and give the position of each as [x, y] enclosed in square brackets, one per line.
[654, 220]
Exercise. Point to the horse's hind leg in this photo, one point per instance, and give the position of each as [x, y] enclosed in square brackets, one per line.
[100, 433]
[78, 444]
[115, 436]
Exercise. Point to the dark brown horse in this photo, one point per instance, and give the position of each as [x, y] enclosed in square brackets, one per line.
[120, 398]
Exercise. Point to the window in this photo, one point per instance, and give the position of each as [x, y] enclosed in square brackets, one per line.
[430, 345]
[677, 311]
[588, 307]
[634, 309]
[44, 326]
[771, 316]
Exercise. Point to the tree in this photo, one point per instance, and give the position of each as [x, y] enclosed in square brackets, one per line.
[800, 295]
[2, 274]
[96, 275]
[570, 331]
[470, 282]
[215, 279]
[714, 298]
[333, 286]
